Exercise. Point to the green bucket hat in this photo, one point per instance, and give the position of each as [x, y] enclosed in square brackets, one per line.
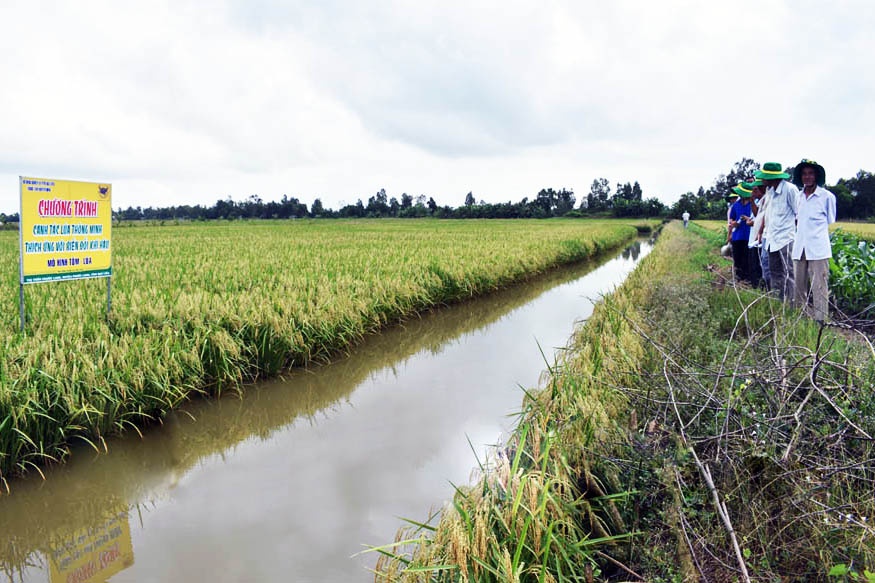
[771, 171]
[743, 189]
[757, 183]
[806, 163]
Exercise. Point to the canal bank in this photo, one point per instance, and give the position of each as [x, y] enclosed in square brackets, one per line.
[693, 430]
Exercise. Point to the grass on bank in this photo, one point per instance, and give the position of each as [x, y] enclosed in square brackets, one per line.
[203, 308]
[692, 431]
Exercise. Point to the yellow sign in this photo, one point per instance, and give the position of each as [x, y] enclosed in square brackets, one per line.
[93, 555]
[65, 230]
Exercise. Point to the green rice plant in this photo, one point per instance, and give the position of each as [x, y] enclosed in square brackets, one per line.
[207, 308]
[548, 507]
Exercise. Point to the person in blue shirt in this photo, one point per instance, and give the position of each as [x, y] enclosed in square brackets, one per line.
[739, 213]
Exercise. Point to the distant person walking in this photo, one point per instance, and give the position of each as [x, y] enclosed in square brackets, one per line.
[811, 247]
[782, 203]
[686, 218]
[739, 213]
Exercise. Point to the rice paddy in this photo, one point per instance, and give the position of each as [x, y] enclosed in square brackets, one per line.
[865, 230]
[203, 308]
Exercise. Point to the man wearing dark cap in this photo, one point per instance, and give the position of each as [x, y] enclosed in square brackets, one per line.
[779, 222]
[811, 247]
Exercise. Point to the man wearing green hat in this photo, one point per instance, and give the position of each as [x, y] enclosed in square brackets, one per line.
[730, 200]
[811, 248]
[759, 256]
[779, 224]
[739, 213]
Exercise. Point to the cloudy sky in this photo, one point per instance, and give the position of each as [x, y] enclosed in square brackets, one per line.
[186, 101]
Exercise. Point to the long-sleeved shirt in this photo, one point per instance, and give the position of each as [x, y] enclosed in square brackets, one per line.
[817, 212]
[780, 217]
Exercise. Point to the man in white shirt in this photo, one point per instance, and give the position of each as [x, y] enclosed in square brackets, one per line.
[759, 267]
[686, 218]
[811, 247]
[779, 224]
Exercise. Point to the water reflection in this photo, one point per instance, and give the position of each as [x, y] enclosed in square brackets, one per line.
[302, 470]
[92, 553]
[632, 252]
[95, 554]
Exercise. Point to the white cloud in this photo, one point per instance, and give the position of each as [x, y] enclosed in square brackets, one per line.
[186, 102]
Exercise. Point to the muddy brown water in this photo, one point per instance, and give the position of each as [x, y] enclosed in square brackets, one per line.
[289, 482]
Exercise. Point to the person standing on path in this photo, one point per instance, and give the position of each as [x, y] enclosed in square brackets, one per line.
[759, 190]
[739, 212]
[686, 218]
[782, 203]
[811, 247]
[730, 200]
[758, 272]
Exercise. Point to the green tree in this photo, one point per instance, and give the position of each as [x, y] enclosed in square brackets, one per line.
[862, 188]
[742, 170]
[599, 195]
[844, 200]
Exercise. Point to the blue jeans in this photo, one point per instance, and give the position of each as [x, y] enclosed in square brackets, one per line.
[764, 262]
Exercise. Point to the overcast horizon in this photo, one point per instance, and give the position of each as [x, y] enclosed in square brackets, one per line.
[176, 104]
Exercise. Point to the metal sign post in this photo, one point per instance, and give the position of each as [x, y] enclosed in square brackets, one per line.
[21, 304]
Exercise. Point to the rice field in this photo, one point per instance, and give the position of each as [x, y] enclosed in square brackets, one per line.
[203, 308]
[865, 230]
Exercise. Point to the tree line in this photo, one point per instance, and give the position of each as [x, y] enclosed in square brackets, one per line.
[548, 202]
[855, 199]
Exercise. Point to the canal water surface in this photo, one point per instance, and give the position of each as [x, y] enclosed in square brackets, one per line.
[291, 481]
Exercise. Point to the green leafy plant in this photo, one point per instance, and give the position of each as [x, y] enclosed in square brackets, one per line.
[852, 271]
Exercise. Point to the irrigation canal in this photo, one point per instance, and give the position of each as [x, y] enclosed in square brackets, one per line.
[289, 482]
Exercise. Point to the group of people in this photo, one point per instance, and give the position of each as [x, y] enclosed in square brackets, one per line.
[780, 234]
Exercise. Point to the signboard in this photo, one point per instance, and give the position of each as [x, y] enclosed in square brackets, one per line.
[93, 555]
[65, 230]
